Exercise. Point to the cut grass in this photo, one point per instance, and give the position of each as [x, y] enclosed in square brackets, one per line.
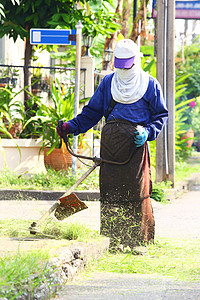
[175, 258]
[58, 230]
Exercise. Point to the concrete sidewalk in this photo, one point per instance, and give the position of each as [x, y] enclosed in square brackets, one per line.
[180, 218]
[107, 286]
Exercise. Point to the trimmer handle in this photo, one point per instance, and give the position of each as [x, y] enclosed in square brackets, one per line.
[64, 133]
[96, 160]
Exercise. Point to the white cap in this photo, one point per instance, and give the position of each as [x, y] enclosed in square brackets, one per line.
[125, 52]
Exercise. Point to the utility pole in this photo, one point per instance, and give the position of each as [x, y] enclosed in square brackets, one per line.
[165, 144]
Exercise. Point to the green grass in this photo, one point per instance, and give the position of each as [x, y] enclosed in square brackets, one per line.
[57, 229]
[175, 258]
[184, 170]
[61, 180]
[50, 180]
[23, 273]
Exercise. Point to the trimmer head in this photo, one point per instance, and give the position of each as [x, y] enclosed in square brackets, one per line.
[64, 207]
[69, 205]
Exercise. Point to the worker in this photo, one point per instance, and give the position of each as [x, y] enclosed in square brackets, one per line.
[135, 112]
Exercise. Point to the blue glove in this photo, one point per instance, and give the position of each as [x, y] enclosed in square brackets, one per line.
[141, 136]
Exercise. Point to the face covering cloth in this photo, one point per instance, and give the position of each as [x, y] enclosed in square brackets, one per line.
[129, 85]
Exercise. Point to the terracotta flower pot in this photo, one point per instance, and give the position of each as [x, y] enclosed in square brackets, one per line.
[189, 135]
[57, 159]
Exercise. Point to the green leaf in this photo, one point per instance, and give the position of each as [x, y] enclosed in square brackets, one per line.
[33, 7]
[183, 103]
[26, 6]
[66, 17]
[56, 17]
[29, 18]
[35, 20]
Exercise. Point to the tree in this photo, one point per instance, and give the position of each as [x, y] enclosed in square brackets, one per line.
[141, 17]
[17, 22]
[123, 10]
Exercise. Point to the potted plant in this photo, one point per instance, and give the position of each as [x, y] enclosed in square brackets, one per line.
[183, 116]
[16, 144]
[192, 121]
[12, 111]
[36, 79]
[11, 115]
[45, 122]
[182, 129]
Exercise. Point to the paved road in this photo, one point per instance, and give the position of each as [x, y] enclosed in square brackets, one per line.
[107, 286]
[180, 218]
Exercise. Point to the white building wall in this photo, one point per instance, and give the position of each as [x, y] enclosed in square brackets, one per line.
[14, 51]
[2, 50]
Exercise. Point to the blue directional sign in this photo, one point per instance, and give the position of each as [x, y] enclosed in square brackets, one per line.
[52, 36]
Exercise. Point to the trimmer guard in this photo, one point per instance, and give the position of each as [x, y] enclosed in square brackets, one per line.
[69, 205]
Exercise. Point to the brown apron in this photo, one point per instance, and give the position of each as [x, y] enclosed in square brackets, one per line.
[126, 212]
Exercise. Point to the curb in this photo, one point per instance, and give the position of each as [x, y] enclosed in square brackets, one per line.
[69, 261]
[45, 195]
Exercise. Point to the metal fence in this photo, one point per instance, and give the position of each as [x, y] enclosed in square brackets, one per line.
[41, 78]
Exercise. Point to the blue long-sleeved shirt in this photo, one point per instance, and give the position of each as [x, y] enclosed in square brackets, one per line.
[150, 111]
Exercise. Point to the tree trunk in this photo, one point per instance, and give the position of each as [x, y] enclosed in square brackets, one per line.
[127, 4]
[27, 71]
[141, 15]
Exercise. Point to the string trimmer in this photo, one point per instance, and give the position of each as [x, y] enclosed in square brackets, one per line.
[69, 203]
